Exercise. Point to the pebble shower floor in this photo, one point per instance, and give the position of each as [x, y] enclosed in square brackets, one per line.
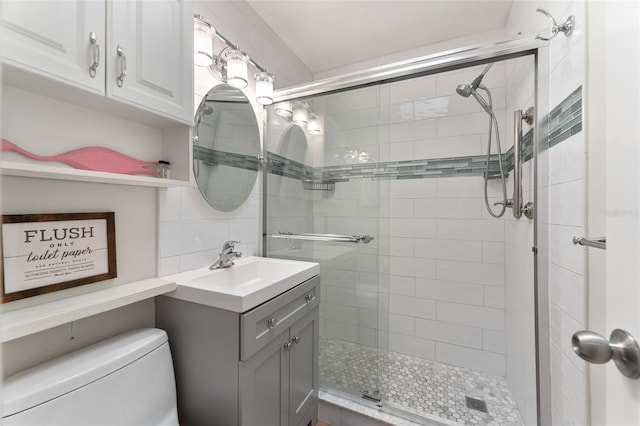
[417, 386]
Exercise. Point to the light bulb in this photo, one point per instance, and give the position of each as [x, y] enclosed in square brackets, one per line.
[202, 42]
[264, 88]
[284, 109]
[237, 68]
[300, 113]
[315, 126]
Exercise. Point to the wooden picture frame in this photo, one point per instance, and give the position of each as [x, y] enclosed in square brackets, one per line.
[43, 253]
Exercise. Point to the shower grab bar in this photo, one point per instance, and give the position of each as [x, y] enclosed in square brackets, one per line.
[366, 239]
[516, 202]
[600, 242]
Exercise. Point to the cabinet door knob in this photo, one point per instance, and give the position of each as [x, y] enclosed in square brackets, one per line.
[123, 66]
[287, 346]
[295, 339]
[95, 51]
[271, 322]
[308, 298]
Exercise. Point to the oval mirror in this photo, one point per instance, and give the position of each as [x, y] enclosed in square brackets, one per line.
[226, 148]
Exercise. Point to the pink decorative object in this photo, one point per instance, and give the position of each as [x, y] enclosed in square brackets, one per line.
[92, 158]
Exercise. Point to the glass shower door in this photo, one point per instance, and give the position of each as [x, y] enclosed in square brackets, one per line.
[322, 205]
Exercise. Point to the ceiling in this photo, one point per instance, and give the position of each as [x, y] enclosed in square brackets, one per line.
[331, 34]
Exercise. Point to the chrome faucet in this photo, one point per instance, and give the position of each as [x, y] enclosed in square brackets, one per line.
[226, 255]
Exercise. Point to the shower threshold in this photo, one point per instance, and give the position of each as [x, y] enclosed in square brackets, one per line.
[433, 391]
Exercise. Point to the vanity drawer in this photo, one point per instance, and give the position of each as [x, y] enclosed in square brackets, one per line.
[265, 322]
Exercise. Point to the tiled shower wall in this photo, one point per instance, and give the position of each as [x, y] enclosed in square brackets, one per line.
[441, 256]
[562, 177]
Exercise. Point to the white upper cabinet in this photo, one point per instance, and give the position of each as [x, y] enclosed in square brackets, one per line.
[150, 51]
[53, 39]
[141, 55]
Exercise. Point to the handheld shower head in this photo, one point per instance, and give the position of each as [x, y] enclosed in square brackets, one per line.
[467, 90]
[464, 90]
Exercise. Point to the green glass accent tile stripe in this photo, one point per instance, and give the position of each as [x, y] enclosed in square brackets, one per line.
[213, 157]
[439, 167]
[564, 121]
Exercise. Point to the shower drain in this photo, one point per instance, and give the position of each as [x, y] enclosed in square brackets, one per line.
[476, 404]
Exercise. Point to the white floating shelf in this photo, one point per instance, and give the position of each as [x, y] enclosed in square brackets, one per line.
[12, 168]
[25, 321]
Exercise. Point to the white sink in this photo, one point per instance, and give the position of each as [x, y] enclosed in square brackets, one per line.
[243, 286]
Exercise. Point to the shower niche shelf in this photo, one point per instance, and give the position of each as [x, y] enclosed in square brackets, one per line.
[318, 185]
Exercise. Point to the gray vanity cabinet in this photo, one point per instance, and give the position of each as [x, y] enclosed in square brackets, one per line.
[278, 385]
[256, 368]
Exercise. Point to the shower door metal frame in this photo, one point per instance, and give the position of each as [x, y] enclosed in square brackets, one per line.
[448, 61]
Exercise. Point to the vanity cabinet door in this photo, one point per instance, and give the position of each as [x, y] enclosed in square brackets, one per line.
[150, 59]
[264, 385]
[53, 39]
[303, 372]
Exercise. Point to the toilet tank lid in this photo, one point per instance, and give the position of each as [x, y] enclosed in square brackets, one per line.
[57, 377]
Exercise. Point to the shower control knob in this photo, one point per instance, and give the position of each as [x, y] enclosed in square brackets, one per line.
[622, 347]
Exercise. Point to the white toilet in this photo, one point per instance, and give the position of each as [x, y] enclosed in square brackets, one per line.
[125, 380]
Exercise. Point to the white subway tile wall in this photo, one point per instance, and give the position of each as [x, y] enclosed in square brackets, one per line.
[442, 256]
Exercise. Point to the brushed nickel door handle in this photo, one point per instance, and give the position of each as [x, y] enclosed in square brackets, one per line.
[622, 347]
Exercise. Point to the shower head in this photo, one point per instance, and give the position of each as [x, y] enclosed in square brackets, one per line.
[464, 90]
[467, 90]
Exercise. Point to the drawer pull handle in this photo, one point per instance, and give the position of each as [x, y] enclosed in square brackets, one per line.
[271, 322]
[287, 346]
[308, 298]
[295, 339]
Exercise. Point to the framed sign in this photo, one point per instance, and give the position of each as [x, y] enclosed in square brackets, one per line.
[43, 253]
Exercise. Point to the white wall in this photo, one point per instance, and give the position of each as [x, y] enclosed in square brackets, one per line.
[566, 187]
[191, 233]
[48, 126]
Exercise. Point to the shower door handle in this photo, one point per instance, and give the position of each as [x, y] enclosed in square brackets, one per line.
[622, 347]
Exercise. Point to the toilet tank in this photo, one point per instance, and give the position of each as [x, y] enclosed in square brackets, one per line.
[125, 380]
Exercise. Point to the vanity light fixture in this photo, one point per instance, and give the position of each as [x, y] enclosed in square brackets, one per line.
[236, 64]
[300, 113]
[230, 64]
[284, 109]
[203, 34]
[315, 126]
[264, 88]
